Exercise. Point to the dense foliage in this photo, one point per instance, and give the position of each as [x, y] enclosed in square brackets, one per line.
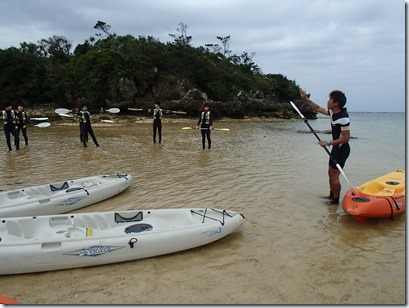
[117, 70]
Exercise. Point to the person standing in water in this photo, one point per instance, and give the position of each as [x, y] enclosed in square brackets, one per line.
[22, 120]
[206, 119]
[157, 121]
[9, 125]
[340, 137]
[86, 127]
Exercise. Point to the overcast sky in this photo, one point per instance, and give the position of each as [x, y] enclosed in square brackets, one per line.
[356, 46]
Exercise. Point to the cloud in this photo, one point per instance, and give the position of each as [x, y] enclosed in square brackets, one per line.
[354, 45]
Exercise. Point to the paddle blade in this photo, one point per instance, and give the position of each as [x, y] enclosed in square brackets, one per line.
[223, 129]
[44, 124]
[114, 110]
[107, 121]
[62, 110]
[39, 119]
[65, 115]
[185, 128]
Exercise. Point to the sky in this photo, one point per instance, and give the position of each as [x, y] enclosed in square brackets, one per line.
[356, 46]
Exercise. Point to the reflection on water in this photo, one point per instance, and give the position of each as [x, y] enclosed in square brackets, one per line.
[293, 249]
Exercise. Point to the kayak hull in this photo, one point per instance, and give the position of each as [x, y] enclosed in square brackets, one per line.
[378, 198]
[54, 242]
[62, 197]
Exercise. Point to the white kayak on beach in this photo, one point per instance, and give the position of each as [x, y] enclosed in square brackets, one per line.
[54, 242]
[61, 197]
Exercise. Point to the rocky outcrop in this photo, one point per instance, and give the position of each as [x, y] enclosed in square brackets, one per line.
[252, 104]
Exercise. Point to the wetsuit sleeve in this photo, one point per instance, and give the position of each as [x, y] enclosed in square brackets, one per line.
[211, 119]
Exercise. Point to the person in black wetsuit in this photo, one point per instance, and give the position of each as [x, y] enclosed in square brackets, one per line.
[340, 137]
[9, 125]
[22, 119]
[85, 126]
[157, 121]
[206, 119]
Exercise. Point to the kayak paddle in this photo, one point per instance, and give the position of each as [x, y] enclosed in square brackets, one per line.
[177, 112]
[325, 148]
[39, 119]
[62, 110]
[113, 110]
[65, 110]
[167, 111]
[204, 128]
[65, 115]
[43, 124]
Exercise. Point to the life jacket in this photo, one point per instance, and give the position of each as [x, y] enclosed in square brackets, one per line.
[206, 117]
[157, 114]
[85, 117]
[11, 120]
[22, 117]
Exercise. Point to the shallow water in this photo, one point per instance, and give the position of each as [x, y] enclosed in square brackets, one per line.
[293, 249]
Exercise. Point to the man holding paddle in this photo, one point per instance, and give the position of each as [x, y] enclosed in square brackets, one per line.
[206, 119]
[340, 137]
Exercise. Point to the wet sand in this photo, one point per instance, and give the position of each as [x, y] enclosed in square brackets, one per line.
[293, 249]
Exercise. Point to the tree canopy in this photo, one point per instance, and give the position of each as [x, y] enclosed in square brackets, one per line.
[114, 70]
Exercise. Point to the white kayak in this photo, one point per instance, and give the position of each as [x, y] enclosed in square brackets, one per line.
[54, 242]
[61, 197]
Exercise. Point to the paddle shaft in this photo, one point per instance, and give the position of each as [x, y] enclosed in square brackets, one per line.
[65, 110]
[325, 148]
[205, 128]
[166, 111]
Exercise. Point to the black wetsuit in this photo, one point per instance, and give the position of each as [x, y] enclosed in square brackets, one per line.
[339, 121]
[157, 124]
[206, 118]
[86, 128]
[9, 126]
[22, 124]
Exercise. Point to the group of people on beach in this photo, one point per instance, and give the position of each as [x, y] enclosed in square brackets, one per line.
[16, 121]
[204, 124]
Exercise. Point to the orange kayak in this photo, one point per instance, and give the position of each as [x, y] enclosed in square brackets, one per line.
[7, 301]
[382, 197]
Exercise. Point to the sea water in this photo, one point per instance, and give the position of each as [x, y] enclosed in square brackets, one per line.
[293, 249]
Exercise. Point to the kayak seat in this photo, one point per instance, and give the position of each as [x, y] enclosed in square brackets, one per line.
[138, 228]
[63, 186]
[119, 218]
